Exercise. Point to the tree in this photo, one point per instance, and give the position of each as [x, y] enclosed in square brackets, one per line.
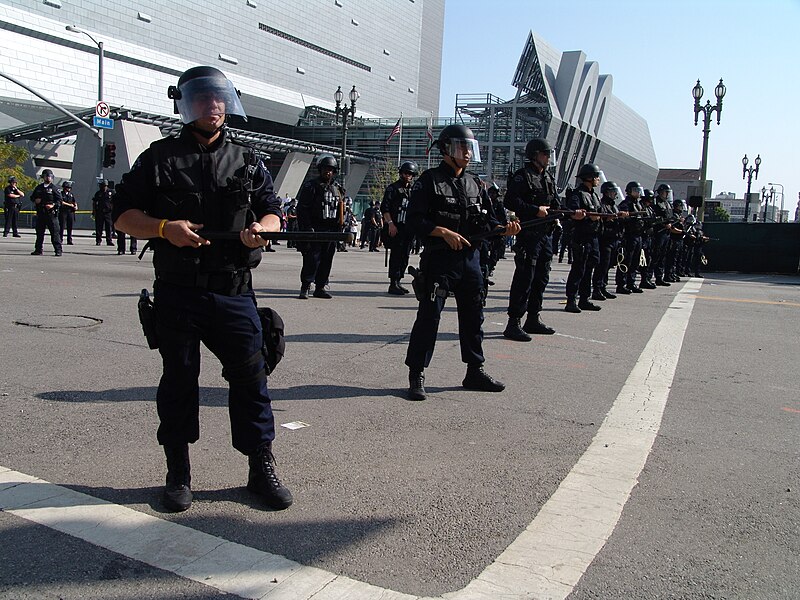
[719, 214]
[384, 173]
[12, 159]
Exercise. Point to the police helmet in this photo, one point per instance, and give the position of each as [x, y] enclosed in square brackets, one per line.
[103, 182]
[409, 167]
[588, 172]
[608, 186]
[454, 139]
[493, 189]
[537, 145]
[199, 83]
[633, 185]
[66, 184]
[678, 204]
[663, 188]
[12, 179]
[327, 160]
[47, 173]
[648, 194]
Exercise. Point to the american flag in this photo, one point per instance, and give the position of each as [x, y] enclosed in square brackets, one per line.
[395, 131]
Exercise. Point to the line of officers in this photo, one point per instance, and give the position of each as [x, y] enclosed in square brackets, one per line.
[645, 239]
[55, 210]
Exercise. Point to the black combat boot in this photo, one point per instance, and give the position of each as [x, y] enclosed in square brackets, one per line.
[303, 292]
[401, 288]
[416, 385]
[178, 491]
[514, 332]
[263, 480]
[646, 284]
[533, 324]
[480, 380]
[662, 283]
[608, 294]
[635, 289]
[321, 292]
[394, 288]
[598, 295]
[572, 306]
[621, 289]
[584, 304]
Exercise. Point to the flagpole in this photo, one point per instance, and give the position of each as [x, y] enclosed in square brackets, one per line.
[400, 145]
[430, 129]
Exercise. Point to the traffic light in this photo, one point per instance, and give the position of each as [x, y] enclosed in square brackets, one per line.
[109, 155]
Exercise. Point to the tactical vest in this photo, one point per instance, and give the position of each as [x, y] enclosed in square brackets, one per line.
[586, 228]
[634, 226]
[212, 188]
[456, 203]
[399, 209]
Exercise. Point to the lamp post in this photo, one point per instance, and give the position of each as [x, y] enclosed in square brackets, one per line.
[707, 110]
[345, 112]
[748, 172]
[99, 45]
[767, 195]
[780, 215]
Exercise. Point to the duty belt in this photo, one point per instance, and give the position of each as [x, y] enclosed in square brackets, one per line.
[226, 283]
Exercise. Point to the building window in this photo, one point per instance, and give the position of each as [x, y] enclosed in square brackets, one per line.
[53, 3]
[301, 70]
[386, 52]
[354, 22]
[252, 4]
[229, 59]
[392, 78]
[144, 17]
[410, 90]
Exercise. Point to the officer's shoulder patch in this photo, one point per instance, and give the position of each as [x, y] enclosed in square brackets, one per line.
[519, 178]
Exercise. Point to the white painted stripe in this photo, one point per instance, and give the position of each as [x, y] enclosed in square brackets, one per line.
[546, 561]
[204, 558]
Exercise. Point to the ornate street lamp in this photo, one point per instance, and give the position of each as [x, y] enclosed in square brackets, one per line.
[345, 112]
[780, 215]
[749, 172]
[707, 110]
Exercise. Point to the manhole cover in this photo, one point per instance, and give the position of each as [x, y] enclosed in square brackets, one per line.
[60, 321]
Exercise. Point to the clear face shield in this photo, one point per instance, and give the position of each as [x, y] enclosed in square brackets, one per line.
[204, 97]
[463, 149]
[665, 196]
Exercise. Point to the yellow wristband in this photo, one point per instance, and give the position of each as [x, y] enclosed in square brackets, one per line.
[161, 228]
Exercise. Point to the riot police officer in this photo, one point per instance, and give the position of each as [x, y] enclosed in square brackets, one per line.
[646, 267]
[672, 262]
[179, 187]
[66, 216]
[608, 240]
[446, 207]
[664, 217]
[498, 244]
[102, 204]
[531, 194]
[46, 200]
[394, 208]
[632, 231]
[585, 245]
[320, 207]
[12, 202]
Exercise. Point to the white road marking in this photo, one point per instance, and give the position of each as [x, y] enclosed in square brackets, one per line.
[572, 337]
[546, 561]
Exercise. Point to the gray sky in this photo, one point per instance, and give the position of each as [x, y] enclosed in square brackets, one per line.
[656, 51]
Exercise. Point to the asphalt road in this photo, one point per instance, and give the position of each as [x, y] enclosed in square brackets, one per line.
[416, 498]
